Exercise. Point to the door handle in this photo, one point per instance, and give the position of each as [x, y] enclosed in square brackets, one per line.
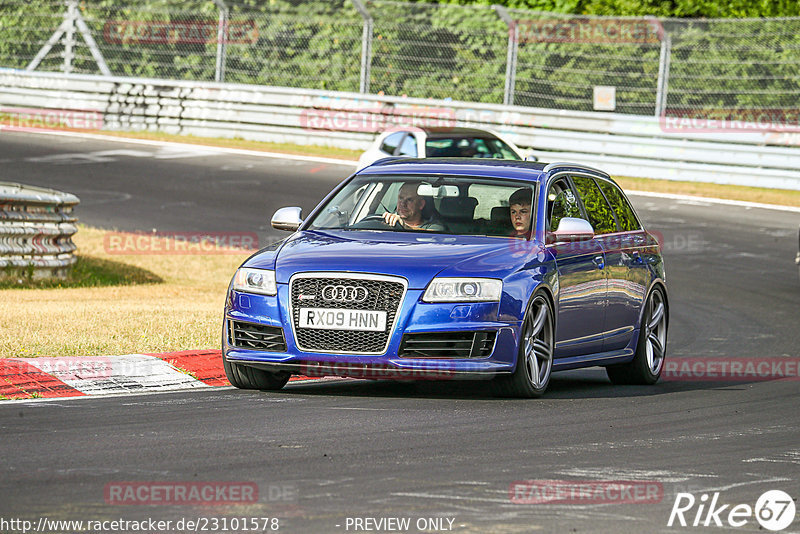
[599, 261]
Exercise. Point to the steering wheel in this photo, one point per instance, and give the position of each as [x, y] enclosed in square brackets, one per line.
[376, 222]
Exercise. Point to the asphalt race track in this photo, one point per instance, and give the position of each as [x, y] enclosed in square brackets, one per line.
[325, 452]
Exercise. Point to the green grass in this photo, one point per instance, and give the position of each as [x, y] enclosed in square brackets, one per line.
[263, 146]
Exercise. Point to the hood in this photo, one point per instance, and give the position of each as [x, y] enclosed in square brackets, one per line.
[418, 257]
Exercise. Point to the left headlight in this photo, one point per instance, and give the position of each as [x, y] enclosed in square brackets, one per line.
[255, 281]
[463, 290]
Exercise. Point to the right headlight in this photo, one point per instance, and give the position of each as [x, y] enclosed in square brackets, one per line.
[463, 290]
[255, 281]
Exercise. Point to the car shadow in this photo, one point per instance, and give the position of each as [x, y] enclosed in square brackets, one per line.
[575, 384]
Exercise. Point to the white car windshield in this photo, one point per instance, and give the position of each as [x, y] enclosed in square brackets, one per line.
[468, 147]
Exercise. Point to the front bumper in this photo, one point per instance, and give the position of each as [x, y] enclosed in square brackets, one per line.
[414, 317]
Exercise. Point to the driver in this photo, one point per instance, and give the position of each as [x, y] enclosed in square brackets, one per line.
[409, 210]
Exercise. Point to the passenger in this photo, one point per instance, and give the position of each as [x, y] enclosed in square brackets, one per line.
[410, 206]
[519, 206]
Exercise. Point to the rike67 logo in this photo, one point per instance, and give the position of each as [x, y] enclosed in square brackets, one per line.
[774, 510]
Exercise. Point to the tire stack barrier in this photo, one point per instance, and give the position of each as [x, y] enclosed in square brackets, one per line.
[36, 229]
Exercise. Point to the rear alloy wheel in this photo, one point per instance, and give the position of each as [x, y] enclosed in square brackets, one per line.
[651, 349]
[535, 358]
[244, 377]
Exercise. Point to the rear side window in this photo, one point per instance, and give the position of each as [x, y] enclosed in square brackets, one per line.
[625, 215]
[391, 143]
[597, 209]
[409, 146]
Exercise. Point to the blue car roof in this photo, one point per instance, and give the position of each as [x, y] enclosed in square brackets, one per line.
[498, 168]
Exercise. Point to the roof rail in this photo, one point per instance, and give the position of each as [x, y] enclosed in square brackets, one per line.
[557, 164]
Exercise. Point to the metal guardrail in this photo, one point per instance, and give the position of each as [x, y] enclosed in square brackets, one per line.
[36, 229]
[623, 145]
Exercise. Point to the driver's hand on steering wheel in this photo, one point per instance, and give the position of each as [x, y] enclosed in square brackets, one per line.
[392, 219]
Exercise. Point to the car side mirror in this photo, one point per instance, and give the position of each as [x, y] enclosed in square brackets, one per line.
[572, 229]
[287, 219]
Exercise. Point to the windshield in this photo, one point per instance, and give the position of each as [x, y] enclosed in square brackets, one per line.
[468, 147]
[453, 205]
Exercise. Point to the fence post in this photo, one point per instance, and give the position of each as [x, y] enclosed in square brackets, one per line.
[222, 41]
[663, 74]
[366, 47]
[511, 54]
[69, 36]
[72, 18]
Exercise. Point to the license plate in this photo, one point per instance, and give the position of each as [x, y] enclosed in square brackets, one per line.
[333, 319]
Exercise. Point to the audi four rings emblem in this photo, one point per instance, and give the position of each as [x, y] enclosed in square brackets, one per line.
[342, 293]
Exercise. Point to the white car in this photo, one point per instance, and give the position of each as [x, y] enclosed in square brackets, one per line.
[444, 142]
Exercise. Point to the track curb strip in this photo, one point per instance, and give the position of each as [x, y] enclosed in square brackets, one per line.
[29, 378]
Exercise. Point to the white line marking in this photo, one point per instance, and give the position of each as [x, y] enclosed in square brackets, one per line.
[365, 409]
[451, 497]
[631, 474]
[209, 148]
[739, 484]
[698, 201]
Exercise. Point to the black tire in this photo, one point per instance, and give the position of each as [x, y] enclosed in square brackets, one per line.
[245, 377]
[651, 349]
[535, 355]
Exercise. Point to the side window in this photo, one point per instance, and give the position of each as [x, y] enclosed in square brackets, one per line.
[625, 215]
[409, 146]
[502, 150]
[561, 202]
[597, 209]
[391, 143]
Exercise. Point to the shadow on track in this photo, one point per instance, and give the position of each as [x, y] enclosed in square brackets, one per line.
[577, 384]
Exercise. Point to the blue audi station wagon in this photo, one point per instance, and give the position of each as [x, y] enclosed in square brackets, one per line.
[418, 269]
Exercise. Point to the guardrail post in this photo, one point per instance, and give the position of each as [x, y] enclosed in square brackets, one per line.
[222, 41]
[511, 54]
[663, 74]
[36, 229]
[366, 47]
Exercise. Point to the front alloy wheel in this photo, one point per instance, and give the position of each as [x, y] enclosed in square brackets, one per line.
[535, 358]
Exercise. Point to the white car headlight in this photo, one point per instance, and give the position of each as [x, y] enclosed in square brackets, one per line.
[463, 290]
[255, 281]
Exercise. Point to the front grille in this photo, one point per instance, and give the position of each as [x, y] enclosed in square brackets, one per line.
[383, 294]
[256, 336]
[447, 345]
